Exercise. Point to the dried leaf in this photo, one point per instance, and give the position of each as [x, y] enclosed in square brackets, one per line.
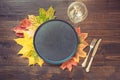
[40, 62]
[26, 31]
[24, 25]
[78, 30]
[80, 53]
[31, 60]
[69, 64]
[50, 13]
[42, 12]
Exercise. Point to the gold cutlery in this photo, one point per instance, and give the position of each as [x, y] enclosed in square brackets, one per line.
[91, 47]
[93, 54]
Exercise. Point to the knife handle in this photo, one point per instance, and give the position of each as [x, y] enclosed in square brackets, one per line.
[89, 65]
[85, 61]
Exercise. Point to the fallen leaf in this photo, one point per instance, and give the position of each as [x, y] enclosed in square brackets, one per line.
[80, 53]
[25, 31]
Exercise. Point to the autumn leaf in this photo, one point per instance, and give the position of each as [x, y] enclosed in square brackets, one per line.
[78, 30]
[69, 64]
[24, 24]
[31, 60]
[34, 22]
[40, 62]
[80, 53]
[50, 13]
[25, 31]
[42, 13]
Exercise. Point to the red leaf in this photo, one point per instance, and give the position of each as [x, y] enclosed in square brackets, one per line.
[25, 23]
[78, 30]
[69, 64]
[18, 29]
[20, 35]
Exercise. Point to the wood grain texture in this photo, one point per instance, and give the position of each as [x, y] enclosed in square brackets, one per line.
[103, 21]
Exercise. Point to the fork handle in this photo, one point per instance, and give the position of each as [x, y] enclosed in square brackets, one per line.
[85, 61]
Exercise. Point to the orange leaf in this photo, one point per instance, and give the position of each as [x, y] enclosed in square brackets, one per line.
[69, 64]
[76, 58]
[83, 35]
[81, 46]
[63, 66]
[79, 53]
[69, 67]
[25, 23]
[78, 30]
[82, 53]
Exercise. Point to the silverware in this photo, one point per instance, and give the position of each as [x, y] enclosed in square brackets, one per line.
[91, 47]
[93, 54]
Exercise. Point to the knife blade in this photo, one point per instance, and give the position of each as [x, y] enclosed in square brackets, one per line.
[96, 47]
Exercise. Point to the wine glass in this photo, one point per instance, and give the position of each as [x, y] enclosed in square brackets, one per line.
[77, 11]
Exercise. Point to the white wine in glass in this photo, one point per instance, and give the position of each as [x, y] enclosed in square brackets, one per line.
[77, 11]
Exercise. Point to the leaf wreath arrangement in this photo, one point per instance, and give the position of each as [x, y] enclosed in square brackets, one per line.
[25, 33]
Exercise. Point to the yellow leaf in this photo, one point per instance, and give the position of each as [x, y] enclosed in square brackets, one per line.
[50, 13]
[24, 50]
[42, 12]
[82, 53]
[34, 22]
[31, 61]
[40, 62]
[19, 41]
[27, 54]
[32, 18]
[76, 58]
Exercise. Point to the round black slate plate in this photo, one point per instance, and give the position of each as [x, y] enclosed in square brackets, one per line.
[55, 41]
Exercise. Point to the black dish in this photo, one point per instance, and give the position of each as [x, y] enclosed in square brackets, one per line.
[55, 41]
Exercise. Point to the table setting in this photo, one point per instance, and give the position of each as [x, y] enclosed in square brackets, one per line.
[42, 38]
[75, 46]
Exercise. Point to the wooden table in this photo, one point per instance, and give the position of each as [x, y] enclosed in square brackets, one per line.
[103, 22]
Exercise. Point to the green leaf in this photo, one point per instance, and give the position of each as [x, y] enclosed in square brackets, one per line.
[50, 13]
[42, 12]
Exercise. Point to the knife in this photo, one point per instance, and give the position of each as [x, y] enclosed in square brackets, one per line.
[93, 54]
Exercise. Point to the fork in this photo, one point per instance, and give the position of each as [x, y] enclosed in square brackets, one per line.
[91, 47]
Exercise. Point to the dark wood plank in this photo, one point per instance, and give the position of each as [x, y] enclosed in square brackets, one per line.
[50, 73]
